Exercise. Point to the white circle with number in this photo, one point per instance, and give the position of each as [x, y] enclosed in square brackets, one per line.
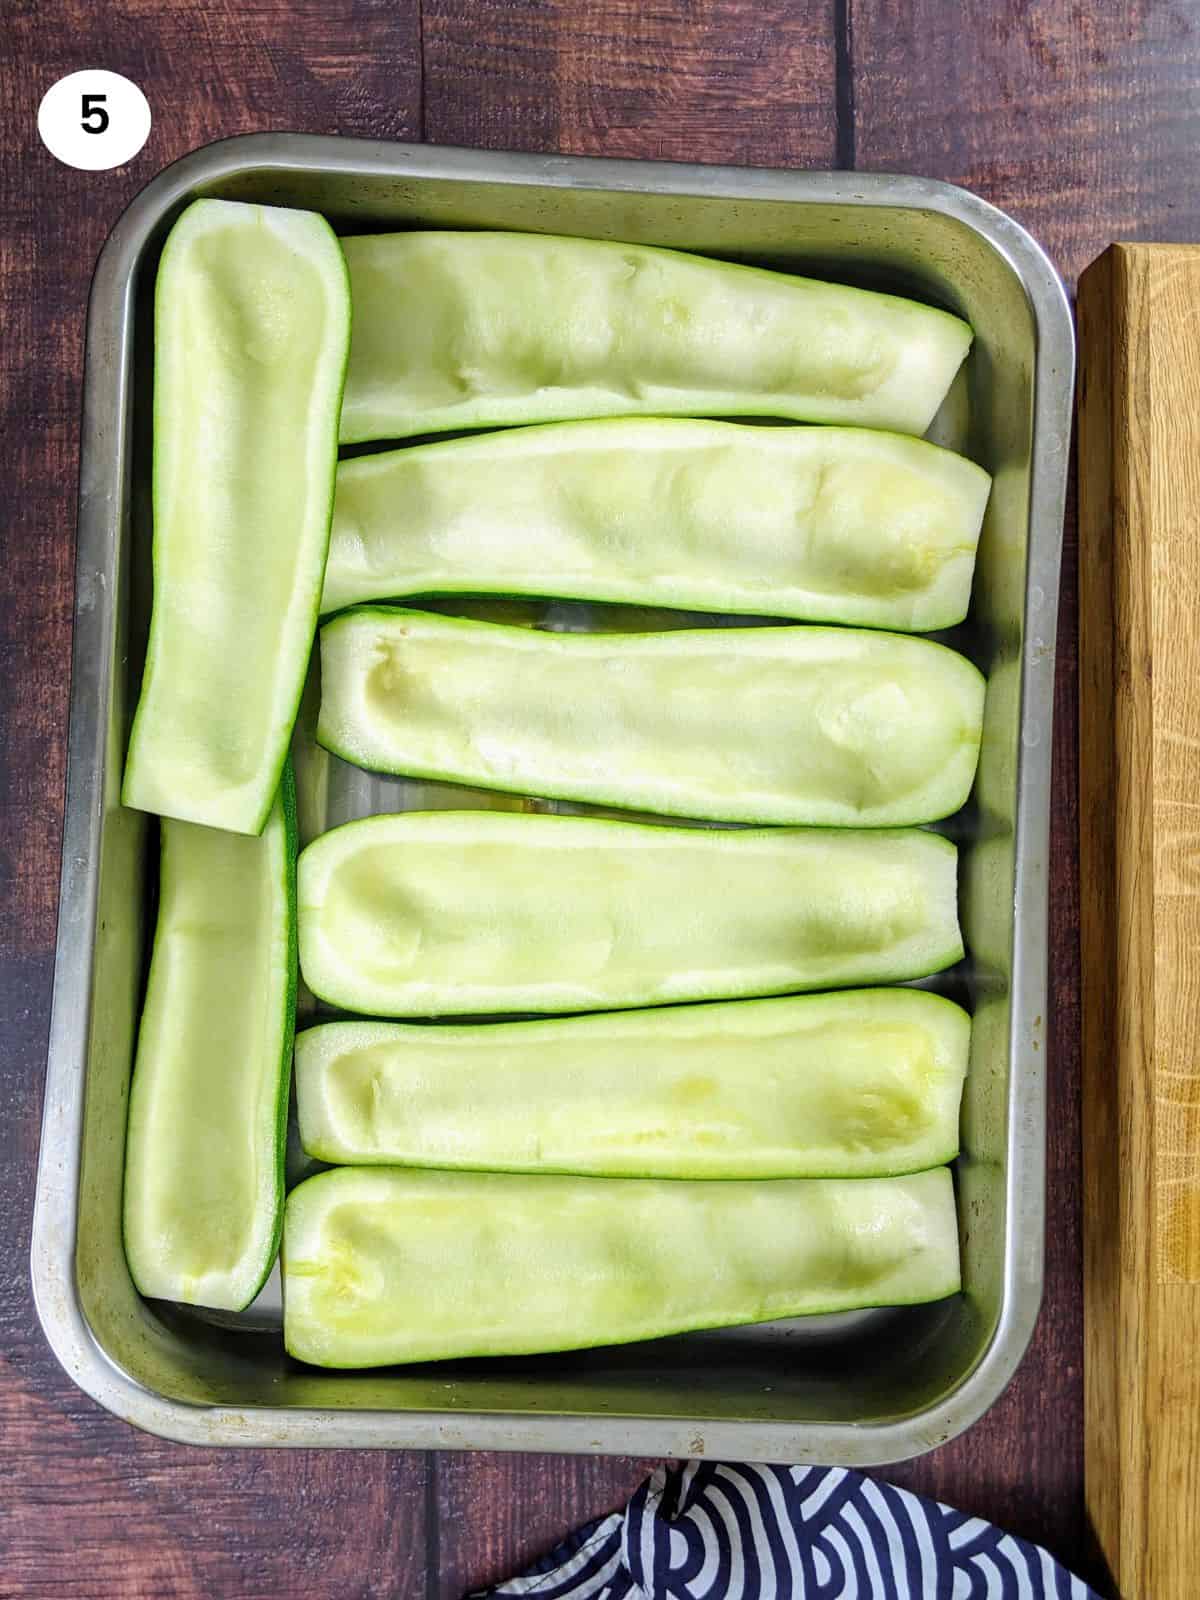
[94, 120]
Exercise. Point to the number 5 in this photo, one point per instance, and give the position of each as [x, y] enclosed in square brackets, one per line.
[93, 107]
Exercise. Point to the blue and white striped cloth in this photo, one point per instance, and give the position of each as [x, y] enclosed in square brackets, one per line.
[707, 1531]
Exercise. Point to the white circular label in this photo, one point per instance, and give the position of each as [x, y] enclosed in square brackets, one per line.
[94, 120]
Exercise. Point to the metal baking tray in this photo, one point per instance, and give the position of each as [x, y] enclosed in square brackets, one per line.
[870, 1387]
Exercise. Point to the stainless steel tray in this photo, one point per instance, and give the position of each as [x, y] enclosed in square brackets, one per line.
[871, 1387]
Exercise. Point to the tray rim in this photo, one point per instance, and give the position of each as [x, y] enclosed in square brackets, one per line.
[104, 467]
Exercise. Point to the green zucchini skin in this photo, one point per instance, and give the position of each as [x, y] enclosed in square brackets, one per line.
[252, 334]
[833, 727]
[843, 525]
[432, 913]
[472, 330]
[863, 1083]
[208, 1105]
[382, 1265]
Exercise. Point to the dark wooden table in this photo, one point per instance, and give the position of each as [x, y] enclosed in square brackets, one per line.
[1082, 117]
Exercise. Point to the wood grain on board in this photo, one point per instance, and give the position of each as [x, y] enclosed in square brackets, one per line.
[1139, 443]
[1080, 120]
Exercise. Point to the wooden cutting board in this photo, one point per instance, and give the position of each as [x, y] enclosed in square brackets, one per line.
[1139, 603]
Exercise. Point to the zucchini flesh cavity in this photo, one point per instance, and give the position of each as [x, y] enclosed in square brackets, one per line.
[861, 1084]
[821, 524]
[382, 1265]
[831, 726]
[443, 912]
[208, 1103]
[252, 328]
[469, 330]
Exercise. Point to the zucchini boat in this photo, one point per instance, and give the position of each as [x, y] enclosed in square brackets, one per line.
[855, 1085]
[831, 726]
[820, 524]
[450, 912]
[477, 330]
[382, 1265]
[252, 330]
[208, 1104]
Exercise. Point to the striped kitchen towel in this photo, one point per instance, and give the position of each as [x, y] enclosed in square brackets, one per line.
[707, 1531]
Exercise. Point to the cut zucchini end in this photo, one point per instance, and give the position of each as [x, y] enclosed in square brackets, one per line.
[228, 813]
